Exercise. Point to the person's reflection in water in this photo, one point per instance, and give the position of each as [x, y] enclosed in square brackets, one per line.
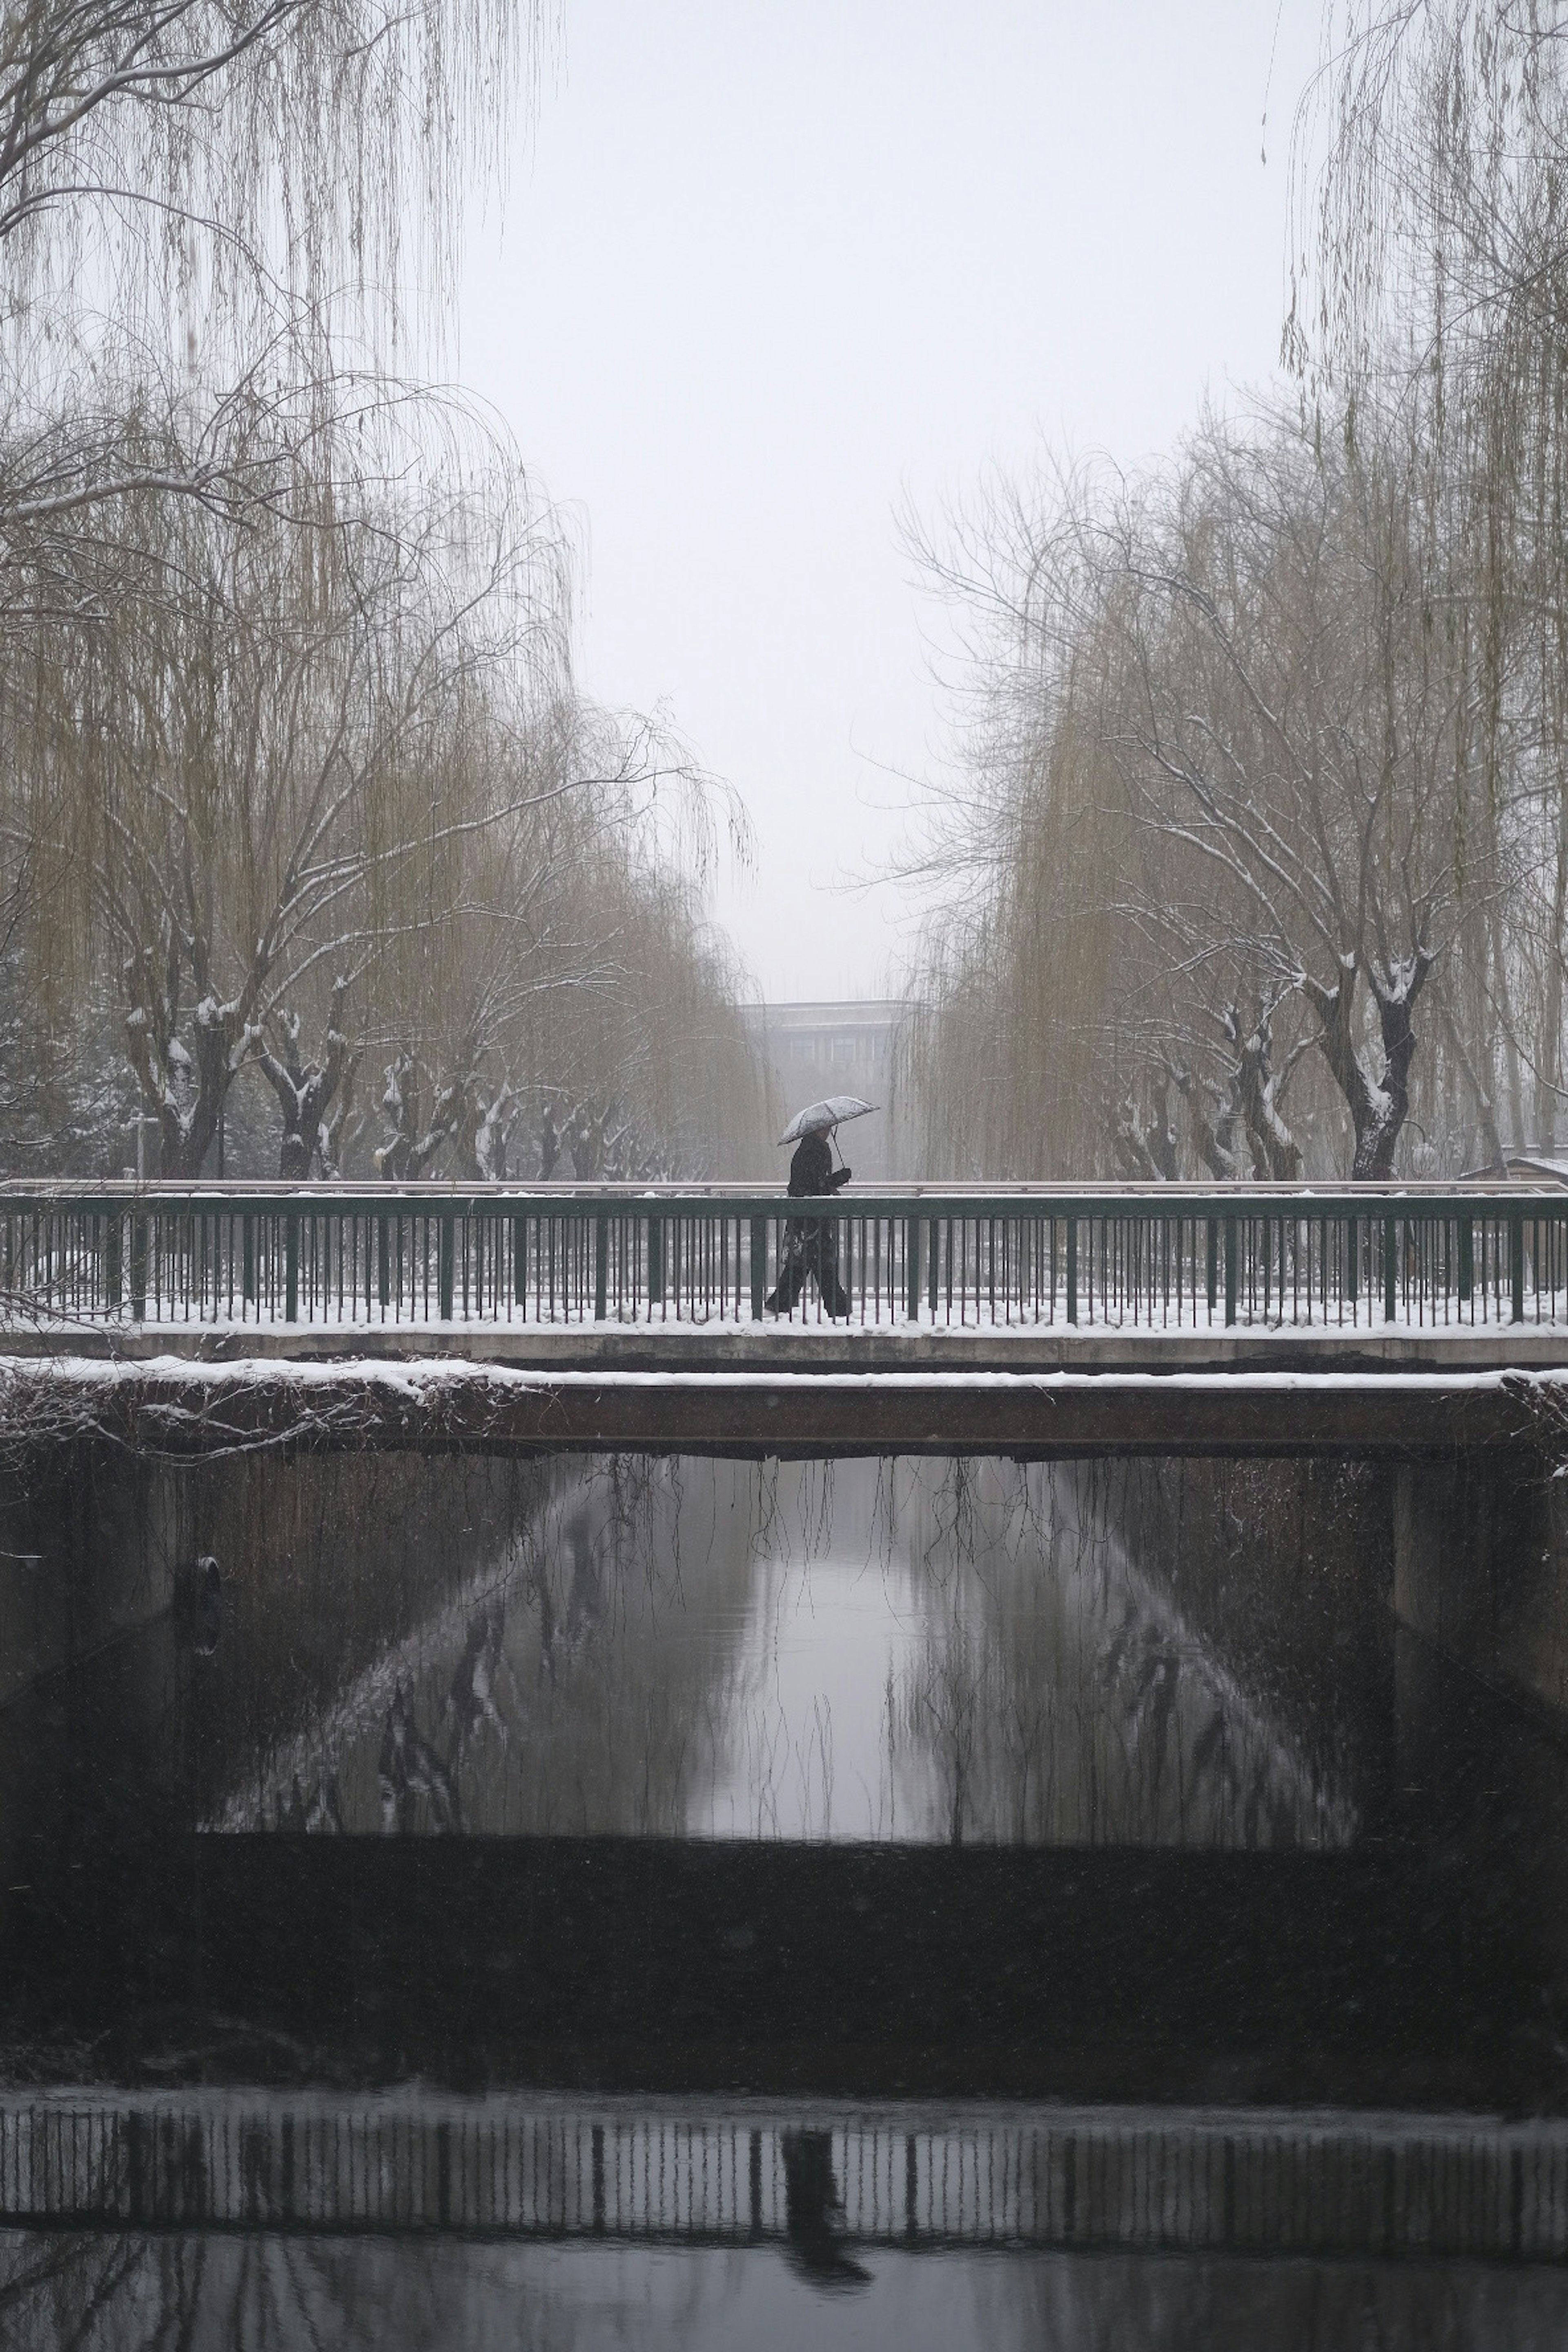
[811, 2207]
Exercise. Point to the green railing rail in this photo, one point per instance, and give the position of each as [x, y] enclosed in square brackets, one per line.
[1151, 1257]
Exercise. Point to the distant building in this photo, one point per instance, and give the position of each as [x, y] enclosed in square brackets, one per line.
[844, 1048]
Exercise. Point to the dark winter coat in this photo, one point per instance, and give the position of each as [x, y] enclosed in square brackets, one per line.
[812, 1172]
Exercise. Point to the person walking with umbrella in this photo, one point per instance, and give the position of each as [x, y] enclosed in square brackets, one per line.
[810, 1243]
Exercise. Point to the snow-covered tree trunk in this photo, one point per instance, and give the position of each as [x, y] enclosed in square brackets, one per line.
[406, 1154]
[494, 1133]
[184, 1087]
[1275, 1154]
[1214, 1137]
[1378, 1100]
[305, 1090]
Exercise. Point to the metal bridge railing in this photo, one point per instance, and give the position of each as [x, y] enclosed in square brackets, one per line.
[1115, 1257]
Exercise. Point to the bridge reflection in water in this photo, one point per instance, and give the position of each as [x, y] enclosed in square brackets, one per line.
[838, 1872]
[679, 2171]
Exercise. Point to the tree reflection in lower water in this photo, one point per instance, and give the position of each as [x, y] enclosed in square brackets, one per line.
[265, 2293]
[937, 1651]
[1060, 1698]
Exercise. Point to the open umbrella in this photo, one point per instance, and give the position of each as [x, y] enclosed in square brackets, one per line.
[818, 1116]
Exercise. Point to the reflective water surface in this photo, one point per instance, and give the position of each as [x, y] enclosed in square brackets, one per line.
[875, 1793]
[208, 2291]
[854, 1651]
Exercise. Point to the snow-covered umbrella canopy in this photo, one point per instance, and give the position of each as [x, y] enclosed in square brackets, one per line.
[818, 1117]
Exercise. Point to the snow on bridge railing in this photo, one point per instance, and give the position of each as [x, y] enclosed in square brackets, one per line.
[1104, 1256]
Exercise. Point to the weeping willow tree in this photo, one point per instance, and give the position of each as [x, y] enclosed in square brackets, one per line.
[242, 147]
[1432, 252]
[205, 203]
[1226, 745]
[298, 788]
[571, 984]
[1270, 793]
[316, 799]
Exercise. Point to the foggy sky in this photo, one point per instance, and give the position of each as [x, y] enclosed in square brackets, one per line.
[769, 272]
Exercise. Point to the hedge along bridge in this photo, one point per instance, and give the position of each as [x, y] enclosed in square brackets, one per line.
[1423, 1299]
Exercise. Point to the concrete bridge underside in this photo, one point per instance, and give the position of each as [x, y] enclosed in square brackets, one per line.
[833, 1394]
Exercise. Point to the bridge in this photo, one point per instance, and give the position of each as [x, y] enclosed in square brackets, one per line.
[1037, 1319]
[792, 2175]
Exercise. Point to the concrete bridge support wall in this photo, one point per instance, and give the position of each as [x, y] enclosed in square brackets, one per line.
[88, 1552]
[1480, 1568]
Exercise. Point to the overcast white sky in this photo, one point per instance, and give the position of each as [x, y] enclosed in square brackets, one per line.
[774, 268]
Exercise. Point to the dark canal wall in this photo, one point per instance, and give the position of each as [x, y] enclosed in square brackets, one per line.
[1295, 1569]
[323, 1558]
[1481, 1568]
[88, 1550]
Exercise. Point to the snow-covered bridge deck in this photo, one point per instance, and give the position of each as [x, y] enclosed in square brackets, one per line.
[1036, 1317]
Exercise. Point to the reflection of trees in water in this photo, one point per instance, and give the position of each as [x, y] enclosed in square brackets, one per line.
[106, 2293]
[1057, 1697]
[328, 1564]
[582, 1684]
[271, 2294]
[612, 1668]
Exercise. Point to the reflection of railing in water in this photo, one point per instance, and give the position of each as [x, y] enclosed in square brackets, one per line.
[1233, 2182]
[1151, 1257]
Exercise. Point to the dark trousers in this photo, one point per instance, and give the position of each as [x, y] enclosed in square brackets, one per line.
[809, 1248]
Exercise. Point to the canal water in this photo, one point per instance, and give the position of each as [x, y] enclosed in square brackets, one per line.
[453, 1901]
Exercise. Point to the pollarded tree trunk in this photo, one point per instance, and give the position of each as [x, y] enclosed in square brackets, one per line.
[185, 1087]
[406, 1154]
[1214, 1139]
[493, 1134]
[305, 1091]
[1275, 1154]
[340, 1127]
[1378, 1103]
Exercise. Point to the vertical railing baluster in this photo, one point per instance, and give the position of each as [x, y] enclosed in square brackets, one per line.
[760, 1265]
[1516, 1262]
[113, 1271]
[1072, 1267]
[446, 1264]
[1390, 1269]
[601, 1265]
[1230, 1248]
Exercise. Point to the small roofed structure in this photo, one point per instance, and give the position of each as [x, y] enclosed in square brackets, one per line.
[1521, 1168]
